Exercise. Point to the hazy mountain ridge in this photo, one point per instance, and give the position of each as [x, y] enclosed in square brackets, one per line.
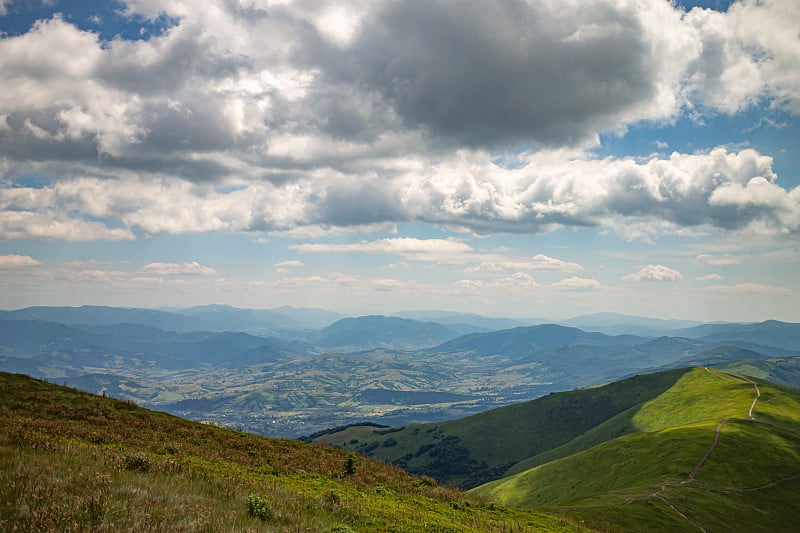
[295, 385]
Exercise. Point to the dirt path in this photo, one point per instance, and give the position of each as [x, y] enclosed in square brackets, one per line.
[703, 459]
[758, 395]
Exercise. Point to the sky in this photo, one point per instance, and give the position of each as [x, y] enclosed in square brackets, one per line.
[524, 158]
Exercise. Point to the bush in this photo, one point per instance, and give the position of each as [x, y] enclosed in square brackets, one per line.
[339, 528]
[257, 507]
[137, 463]
[350, 464]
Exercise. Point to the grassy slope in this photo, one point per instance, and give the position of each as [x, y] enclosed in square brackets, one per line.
[71, 461]
[639, 480]
[505, 436]
[784, 370]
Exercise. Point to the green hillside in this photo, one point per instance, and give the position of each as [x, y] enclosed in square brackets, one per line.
[783, 370]
[483, 447]
[72, 461]
[690, 458]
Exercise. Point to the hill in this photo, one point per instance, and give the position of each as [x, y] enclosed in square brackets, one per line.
[617, 324]
[783, 370]
[106, 316]
[715, 451]
[376, 331]
[490, 443]
[526, 340]
[773, 333]
[72, 461]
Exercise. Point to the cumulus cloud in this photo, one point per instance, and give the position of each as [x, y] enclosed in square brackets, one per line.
[537, 262]
[727, 190]
[17, 261]
[187, 269]
[577, 284]
[747, 56]
[654, 273]
[709, 277]
[518, 281]
[308, 116]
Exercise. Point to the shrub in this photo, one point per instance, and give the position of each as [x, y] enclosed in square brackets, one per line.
[350, 464]
[257, 507]
[339, 528]
[137, 463]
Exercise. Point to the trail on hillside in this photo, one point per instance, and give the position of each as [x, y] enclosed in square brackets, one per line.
[706, 455]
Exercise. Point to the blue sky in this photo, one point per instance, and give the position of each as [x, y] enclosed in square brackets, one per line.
[519, 158]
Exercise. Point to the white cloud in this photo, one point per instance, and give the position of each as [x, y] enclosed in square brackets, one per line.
[520, 280]
[749, 288]
[440, 250]
[717, 260]
[577, 284]
[709, 277]
[289, 264]
[17, 261]
[189, 269]
[749, 53]
[284, 267]
[654, 273]
[496, 263]
[242, 117]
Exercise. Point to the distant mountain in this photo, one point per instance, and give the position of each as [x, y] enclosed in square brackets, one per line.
[783, 370]
[77, 346]
[376, 331]
[309, 317]
[225, 317]
[770, 333]
[105, 316]
[617, 324]
[450, 317]
[526, 340]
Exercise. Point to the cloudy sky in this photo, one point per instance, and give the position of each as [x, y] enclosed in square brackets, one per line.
[531, 158]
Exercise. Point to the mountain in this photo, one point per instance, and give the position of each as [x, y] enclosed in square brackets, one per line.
[105, 316]
[74, 461]
[771, 333]
[783, 370]
[79, 346]
[225, 317]
[450, 317]
[526, 340]
[715, 452]
[488, 444]
[309, 317]
[617, 324]
[679, 450]
[376, 331]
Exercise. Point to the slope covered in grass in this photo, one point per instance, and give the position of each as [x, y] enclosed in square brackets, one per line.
[72, 461]
[482, 447]
[691, 458]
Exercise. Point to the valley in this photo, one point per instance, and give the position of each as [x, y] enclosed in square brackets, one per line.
[286, 375]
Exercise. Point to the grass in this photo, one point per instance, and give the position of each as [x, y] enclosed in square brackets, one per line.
[640, 479]
[72, 461]
[502, 438]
